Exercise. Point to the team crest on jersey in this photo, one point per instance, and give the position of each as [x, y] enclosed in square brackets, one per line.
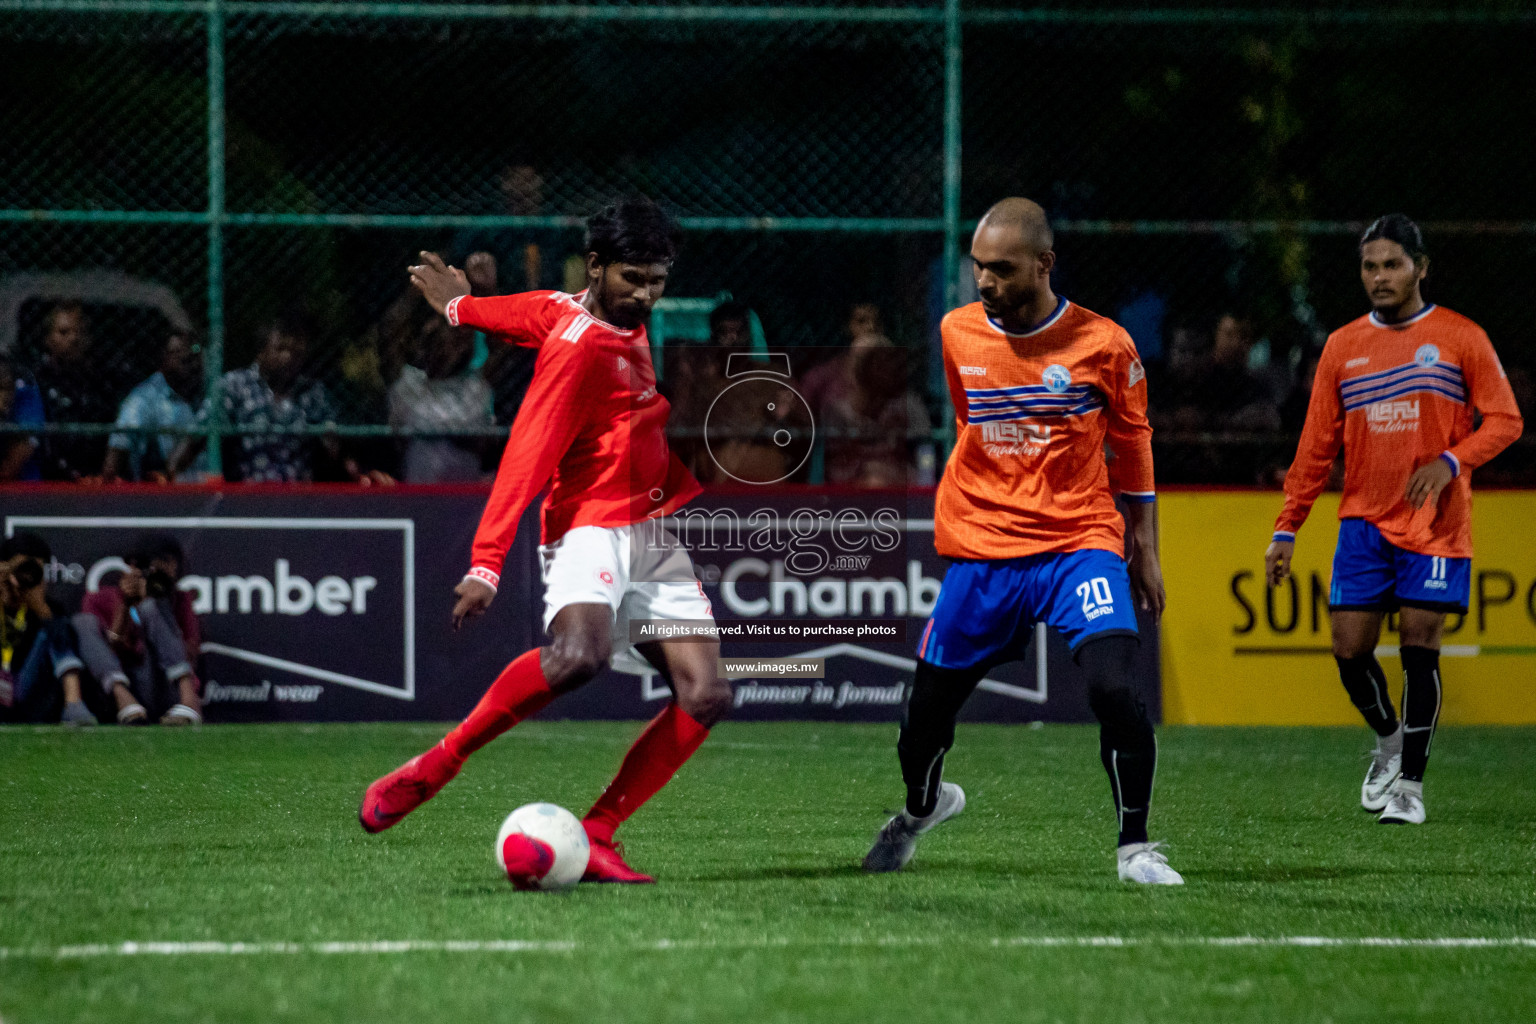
[605, 576]
[1427, 355]
[1056, 378]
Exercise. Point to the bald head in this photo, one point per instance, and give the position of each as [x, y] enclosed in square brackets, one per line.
[1011, 258]
[1024, 216]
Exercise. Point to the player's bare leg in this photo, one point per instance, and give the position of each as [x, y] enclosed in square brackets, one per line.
[700, 699]
[1420, 631]
[578, 650]
[1355, 635]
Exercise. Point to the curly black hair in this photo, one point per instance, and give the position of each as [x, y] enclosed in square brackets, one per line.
[633, 229]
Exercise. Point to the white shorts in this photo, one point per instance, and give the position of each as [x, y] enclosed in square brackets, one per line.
[640, 571]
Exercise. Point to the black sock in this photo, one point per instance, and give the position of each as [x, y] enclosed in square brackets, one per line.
[1421, 708]
[1366, 684]
[1127, 746]
[928, 730]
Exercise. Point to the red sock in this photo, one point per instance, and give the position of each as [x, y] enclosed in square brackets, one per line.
[657, 754]
[518, 692]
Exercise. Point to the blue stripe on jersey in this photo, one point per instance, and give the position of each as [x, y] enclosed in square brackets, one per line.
[1024, 389]
[1031, 399]
[996, 415]
[1450, 371]
[1456, 395]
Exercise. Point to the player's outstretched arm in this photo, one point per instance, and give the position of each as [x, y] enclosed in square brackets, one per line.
[1145, 567]
[438, 283]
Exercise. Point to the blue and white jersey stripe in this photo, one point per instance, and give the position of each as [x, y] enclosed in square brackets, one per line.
[1441, 378]
[990, 405]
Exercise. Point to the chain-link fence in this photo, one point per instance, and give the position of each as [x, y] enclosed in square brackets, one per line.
[221, 166]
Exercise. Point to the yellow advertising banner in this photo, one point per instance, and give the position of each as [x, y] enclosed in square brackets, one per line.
[1236, 652]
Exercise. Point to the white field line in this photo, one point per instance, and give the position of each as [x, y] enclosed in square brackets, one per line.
[130, 949]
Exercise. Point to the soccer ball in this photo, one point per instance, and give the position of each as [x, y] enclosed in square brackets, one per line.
[542, 846]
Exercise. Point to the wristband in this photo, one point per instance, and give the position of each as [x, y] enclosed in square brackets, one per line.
[451, 311]
[1453, 462]
[1289, 538]
[484, 575]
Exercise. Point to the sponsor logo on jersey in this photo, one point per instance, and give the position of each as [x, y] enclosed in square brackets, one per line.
[1138, 372]
[973, 371]
[1056, 378]
[1000, 439]
[1393, 417]
[623, 364]
[1358, 361]
[605, 576]
[1427, 355]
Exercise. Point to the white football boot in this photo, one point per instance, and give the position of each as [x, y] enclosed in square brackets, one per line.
[1386, 766]
[1144, 863]
[897, 841]
[1405, 804]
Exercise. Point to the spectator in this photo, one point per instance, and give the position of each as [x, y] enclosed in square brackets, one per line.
[39, 661]
[444, 395]
[1175, 389]
[534, 258]
[140, 639]
[832, 381]
[872, 428]
[740, 446]
[1236, 398]
[271, 392]
[73, 392]
[166, 399]
[20, 405]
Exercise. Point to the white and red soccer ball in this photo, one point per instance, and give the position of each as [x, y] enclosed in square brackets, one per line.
[542, 846]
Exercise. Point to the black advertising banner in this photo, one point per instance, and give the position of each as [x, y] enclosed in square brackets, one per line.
[331, 604]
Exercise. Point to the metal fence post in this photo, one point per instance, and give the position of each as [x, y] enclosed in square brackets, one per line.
[213, 357]
[953, 52]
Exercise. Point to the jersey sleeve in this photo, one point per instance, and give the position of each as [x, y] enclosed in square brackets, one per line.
[547, 422]
[1489, 392]
[1321, 437]
[524, 319]
[1129, 434]
[957, 399]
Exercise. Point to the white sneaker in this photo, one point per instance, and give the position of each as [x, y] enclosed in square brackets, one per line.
[897, 841]
[1405, 804]
[1384, 770]
[1142, 862]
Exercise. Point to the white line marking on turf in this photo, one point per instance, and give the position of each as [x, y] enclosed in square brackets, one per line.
[707, 945]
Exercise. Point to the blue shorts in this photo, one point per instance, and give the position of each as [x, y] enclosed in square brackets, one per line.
[986, 611]
[1371, 574]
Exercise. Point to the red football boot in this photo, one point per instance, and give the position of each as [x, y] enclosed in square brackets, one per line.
[527, 860]
[406, 788]
[606, 864]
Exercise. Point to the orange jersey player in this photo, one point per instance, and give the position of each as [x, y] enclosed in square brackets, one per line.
[1398, 389]
[592, 428]
[1027, 513]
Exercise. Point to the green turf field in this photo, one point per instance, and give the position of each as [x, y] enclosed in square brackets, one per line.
[248, 835]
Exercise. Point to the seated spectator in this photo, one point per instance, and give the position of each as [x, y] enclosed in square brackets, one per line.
[1175, 390]
[872, 428]
[833, 380]
[39, 663]
[1236, 398]
[443, 395]
[73, 392]
[167, 399]
[140, 639]
[20, 405]
[271, 392]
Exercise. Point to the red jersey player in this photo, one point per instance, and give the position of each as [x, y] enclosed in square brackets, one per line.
[1027, 513]
[1397, 389]
[592, 427]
